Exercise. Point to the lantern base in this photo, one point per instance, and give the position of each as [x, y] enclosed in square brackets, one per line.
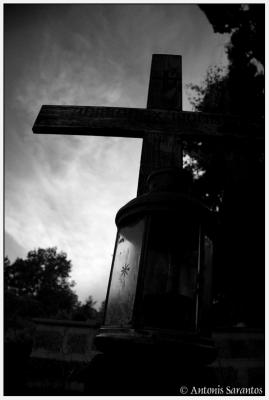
[149, 362]
[187, 346]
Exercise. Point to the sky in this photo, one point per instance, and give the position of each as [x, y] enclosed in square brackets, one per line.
[65, 191]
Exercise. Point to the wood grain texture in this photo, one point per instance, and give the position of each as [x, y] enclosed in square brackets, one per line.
[165, 85]
[136, 122]
[158, 151]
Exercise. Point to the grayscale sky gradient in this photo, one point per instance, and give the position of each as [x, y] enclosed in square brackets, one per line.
[64, 191]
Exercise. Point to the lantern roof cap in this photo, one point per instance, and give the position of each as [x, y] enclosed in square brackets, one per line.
[174, 204]
[170, 191]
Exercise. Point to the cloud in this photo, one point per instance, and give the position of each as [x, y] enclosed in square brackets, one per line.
[64, 191]
[12, 248]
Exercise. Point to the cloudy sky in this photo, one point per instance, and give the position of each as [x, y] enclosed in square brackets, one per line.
[61, 190]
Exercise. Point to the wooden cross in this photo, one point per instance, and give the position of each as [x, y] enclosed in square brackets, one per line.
[162, 125]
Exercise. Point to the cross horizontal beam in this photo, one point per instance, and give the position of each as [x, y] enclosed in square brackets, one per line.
[138, 122]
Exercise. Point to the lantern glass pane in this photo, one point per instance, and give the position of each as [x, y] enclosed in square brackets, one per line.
[124, 275]
[171, 273]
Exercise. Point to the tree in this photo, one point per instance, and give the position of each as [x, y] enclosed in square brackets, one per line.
[85, 311]
[41, 281]
[232, 182]
[239, 89]
[212, 94]
[244, 21]
[244, 83]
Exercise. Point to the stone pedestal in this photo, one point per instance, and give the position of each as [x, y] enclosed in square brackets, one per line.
[60, 357]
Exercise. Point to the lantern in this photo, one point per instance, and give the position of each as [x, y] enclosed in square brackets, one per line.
[159, 291]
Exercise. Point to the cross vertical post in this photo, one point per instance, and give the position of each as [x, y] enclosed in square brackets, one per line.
[161, 150]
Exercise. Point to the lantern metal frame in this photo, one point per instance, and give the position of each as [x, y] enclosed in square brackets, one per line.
[174, 205]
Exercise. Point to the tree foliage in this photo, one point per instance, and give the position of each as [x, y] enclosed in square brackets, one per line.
[241, 89]
[237, 89]
[246, 24]
[233, 170]
[212, 94]
[40, 284]
[85, 311]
